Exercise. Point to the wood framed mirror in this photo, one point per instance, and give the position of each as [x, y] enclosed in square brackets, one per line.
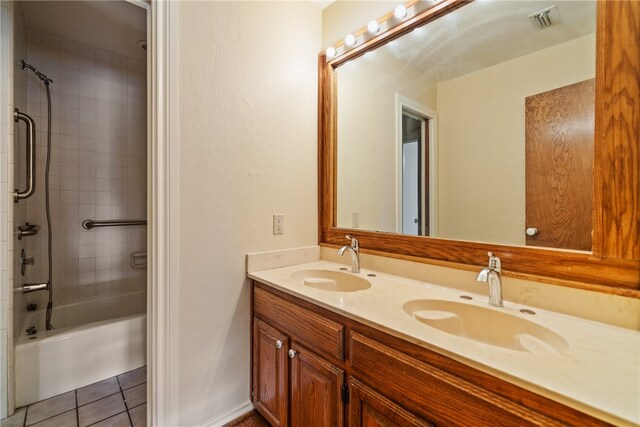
[612, 262]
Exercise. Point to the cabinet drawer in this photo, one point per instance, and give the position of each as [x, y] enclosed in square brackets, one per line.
[320, 334]
[434, 394]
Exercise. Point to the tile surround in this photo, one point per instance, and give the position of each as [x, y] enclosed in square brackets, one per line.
[98, 167]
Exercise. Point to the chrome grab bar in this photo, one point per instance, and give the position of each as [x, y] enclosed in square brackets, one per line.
[31, 156]
[88, 224]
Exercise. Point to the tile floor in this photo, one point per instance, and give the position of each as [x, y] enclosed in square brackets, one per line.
[114, 402]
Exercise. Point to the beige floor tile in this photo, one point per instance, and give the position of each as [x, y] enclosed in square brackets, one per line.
[120, 420]
[135, 396]
[133, 378]
[51, 407]
[68, 419]
[139, 416]
[101, 409]
[97, 391]
[15, 420]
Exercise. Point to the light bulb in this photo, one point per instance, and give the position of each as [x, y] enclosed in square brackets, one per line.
[350, 40]
[373, 27]
[400, 11]
[331, 52]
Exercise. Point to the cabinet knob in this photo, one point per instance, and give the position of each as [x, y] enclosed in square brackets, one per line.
[532, 231]
[278, 344]
[292, 353]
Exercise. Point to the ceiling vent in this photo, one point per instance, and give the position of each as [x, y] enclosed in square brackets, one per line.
[545, 18]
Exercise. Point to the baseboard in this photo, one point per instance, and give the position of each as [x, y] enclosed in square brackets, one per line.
[232, 415]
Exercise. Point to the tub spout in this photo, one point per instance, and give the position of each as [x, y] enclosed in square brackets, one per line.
[33, 287]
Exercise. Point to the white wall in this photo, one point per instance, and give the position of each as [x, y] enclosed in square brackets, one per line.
[481, 140]
[366, 130]
[247, 130]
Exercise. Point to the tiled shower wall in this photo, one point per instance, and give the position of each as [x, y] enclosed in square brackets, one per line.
[14, 94]
[98, 169]
[4, 202]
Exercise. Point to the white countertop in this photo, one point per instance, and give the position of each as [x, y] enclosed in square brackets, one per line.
[598, 373]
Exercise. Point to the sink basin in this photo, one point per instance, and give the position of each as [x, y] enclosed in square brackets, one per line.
[486, 325]
[327, 280]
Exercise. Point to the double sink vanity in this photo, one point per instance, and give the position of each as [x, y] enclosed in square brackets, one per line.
[447, 130]
[380, 349]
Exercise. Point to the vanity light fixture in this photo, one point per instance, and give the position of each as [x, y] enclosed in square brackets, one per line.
[376, 27]
[350, 40]
[373, 27]
[400, 11]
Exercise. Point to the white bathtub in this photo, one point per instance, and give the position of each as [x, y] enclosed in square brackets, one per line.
[93, 340]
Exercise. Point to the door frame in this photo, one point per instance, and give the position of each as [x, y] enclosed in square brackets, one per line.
[163, 214]
[404, 103]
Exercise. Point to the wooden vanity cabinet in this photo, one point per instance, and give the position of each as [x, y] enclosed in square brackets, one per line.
[316, 390]
[329, 370]
[368, 408]
[293, 386]
[270, 373]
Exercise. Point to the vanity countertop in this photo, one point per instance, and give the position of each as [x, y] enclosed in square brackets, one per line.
[597, 373]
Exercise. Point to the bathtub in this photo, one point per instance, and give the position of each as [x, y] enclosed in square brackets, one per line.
[93, 340]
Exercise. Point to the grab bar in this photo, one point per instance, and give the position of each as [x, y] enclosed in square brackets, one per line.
[31, 156]
[88, 224]
[139, 256]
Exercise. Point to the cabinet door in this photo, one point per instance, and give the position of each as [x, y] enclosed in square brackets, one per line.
[370, 409]
[270, 373]
[316, 390]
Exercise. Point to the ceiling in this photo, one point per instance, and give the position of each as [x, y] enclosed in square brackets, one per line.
[114, 26]
[486, 33]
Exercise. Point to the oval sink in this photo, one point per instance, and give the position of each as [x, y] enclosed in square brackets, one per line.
[486, 325]
[328, 280]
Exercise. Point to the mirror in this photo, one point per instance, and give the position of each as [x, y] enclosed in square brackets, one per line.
[613, 264]
[478, 126]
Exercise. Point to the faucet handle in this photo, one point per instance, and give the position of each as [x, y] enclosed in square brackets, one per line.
[354, 241]
[494, 262]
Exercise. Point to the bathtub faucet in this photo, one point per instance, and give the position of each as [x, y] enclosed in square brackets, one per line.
[33, 287]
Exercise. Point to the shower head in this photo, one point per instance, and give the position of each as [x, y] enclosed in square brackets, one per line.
[41, 76]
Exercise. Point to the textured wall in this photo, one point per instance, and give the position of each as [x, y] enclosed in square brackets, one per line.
[247, 114]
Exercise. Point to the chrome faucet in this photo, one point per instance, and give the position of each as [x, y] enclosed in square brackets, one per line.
[493, 275]
[355, 253]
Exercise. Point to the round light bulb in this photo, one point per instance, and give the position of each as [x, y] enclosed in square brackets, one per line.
[373, 27]
[400, 11]
[350, 40]
[331, 52]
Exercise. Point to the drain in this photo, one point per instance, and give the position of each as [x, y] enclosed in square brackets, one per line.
[33, 338]
[371, 275]
[343, 268]
[527, 311]
[467, 297]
